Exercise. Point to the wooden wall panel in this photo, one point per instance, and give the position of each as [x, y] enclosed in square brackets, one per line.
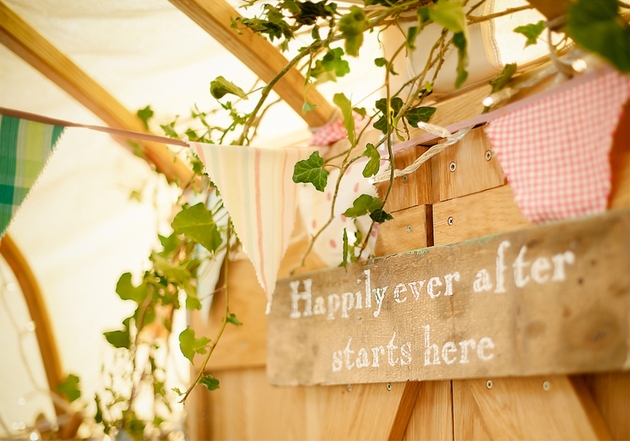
[432, 417]
[409, 230]
[611, 393]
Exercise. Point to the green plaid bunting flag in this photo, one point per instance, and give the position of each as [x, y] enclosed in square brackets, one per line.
[25, 147]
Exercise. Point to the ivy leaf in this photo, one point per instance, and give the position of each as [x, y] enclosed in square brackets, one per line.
[414, 116]
[346, 111]
[126, 290]
[120, 339]
[411, 37]
[169, 244]
[307, 107]
[333, 64]
[352, 26]
[374, 164]
[196, 223]
[172, 272]
[190, 345]
[145, 115]
[381, 62]
[597, 27]
[169, 130]
[192, 301]
[210, 382]
[177, 391]
[396, 104]
[98, 416]
[501, 80]
[450, 15]
[460, 42]
[531, 31]
[379, 215]
[232, 319]
[311, 171]
[221, 87]
[362, 205]
[69, 387]
[423, 17]
[344, 261]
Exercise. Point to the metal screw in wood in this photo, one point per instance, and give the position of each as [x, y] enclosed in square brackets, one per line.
[389, 386]
[349, 387]
[404, 179]
[409, 228]
[452, 166]
[450, 220]
[489, 384]
[546, 386]
[488, 155]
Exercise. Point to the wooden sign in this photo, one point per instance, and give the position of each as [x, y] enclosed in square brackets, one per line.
[542, 300]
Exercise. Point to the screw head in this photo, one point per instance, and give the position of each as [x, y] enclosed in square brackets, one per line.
[450, 220]
[409, 228]
[546, 386]
[389, 386]
[452, 166]
[489, 384]
[404, 179]
[349, 387]
[488, 155]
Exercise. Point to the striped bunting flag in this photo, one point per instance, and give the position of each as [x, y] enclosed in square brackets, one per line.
[259, 194]
[25, 147]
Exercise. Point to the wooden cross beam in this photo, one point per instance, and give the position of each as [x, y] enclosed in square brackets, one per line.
[215, 17]
[28, 44]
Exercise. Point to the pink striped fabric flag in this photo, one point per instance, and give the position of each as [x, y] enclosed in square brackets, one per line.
[260, 196]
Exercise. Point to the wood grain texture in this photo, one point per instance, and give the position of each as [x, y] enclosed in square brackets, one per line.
[611, 393]
[215, 17]
[33, 48]
[577, 324]
[404, 411]
[432, 418]
[463, 168]
[551, 8]
[488, 212]
[247, 408]
[407, 231]
[620, 162]
[520, 408]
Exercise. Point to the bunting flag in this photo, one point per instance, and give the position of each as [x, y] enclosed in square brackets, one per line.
[555, 151]
[25, 147]
[258, 191]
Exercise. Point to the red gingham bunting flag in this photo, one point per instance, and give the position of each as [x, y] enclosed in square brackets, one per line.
[333, 132]
[555, 152]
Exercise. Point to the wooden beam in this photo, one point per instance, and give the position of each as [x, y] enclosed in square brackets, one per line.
[38, 312]
[405, 409]
[215, 17]
[28, 44]
[551, 8]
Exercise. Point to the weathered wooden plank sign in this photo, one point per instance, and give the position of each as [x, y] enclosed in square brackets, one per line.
[541, 300]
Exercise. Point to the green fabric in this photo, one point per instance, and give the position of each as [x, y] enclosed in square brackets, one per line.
[24, 150]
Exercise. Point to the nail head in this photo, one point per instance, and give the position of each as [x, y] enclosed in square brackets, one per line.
[450, 220]
[452, 166]
[488, 155]
[389, 386]
[489, 384]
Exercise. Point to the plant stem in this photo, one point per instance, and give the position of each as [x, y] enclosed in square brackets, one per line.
[482, 18]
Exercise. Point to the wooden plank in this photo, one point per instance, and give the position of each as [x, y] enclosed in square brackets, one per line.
[611, 392]
[412, 189]
[620, 162]
[467, 167]
[489, 212]
[551, 8]
[559, 304]
[407, 231]
[404, 411]
[524, 408]
[432, 418]
[33, 48]
[246, 407]
[259, 55]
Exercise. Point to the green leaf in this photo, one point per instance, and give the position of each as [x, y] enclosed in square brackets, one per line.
[531, 31]
[169, 244]
[221, 87]
[362, 205]
[379, 215]
[210, 382]
[414, 116]
[450, 15]
[352, 25]
[177, 391]
[190, 345]
[145, 115]
[122, 338]
[173, 272]
[345, 250]
[196, 223]
[411, 37]
[331, 64]
[69, 387]
[126, 290]
[98, 416]
[307, 107]
[169, 130]
[396, 104]
[232, 319]
[460, 42]
[374, 164]
[597, 27]
[380, 62]
[192, 303]
[346, 111]
[423, 17]
[311, 171]
[501, 80]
